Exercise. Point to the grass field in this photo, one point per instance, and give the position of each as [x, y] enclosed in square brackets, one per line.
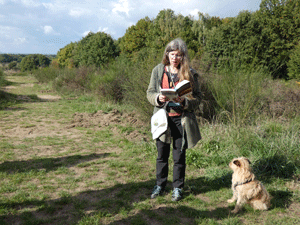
[73, 160]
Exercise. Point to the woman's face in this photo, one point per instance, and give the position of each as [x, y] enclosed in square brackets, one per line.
[175, 58]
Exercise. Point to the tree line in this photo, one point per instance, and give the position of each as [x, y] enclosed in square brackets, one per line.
[25, 62]
[268, 37]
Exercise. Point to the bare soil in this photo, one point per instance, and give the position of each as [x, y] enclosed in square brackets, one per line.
[49, 126]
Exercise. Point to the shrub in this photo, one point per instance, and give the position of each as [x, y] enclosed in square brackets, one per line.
[108, 82]
[32, 62]
[236, 90]
[12, 65]
[293, 64]
[280, 100]
[137, 81]
[2, 80]
[74, 81]
[95, 50]
[46, 74]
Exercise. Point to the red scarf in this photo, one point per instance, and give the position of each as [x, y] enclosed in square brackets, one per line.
[165, 84]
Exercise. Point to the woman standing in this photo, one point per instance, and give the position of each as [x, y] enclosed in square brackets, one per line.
[182, 129]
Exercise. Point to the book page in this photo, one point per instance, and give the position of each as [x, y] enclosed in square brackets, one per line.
[183, 88]
[182, 83]
[170, 93]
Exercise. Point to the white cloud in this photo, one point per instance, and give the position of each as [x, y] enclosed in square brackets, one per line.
[194, 13]
[100, 29]
[121, 6]
[86, 33]
[105, 29]
[49, 30]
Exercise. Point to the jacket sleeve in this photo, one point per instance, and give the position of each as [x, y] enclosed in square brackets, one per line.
[153, 89]
[193, 103]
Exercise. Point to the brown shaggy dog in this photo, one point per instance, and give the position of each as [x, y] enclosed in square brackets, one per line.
[246, 189]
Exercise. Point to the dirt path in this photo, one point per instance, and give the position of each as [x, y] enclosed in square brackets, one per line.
[38, 117]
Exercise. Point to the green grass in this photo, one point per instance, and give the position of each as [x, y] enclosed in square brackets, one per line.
[99, 175]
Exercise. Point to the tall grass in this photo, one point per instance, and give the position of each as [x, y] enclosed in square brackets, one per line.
[232, 94]
[273, 147]
[123, 81]
[238, 92]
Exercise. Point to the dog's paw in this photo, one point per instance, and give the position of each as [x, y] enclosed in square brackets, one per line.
[231, 200]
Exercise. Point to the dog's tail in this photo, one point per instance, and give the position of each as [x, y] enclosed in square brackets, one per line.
[261, 201]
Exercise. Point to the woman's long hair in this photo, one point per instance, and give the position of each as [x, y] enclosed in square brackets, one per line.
[184, 67]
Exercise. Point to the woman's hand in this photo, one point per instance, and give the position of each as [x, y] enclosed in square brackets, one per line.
[163, 98]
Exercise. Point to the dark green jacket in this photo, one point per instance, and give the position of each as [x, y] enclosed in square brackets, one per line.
[189, 122]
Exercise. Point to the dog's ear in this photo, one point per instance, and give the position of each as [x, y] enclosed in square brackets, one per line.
[237, 163]
[248, 161]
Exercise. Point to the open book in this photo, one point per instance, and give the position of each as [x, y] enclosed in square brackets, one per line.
[182, 88]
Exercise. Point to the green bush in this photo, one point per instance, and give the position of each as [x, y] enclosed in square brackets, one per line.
[12, 65]
[138, 79]
[293, 64]
[47, 74]
[95, 50]
[236, 90]
[2, 80]
[32, 62]
[76, 81]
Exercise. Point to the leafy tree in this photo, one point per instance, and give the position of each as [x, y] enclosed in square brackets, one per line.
[95, 49]
[281, 22]
[32, 62]
[12, 65]
[168, 26]
[7, 58]
[293, 64]
[136, 37]
[65, 55]
[2, 58]
[238, 38]
[201, 27]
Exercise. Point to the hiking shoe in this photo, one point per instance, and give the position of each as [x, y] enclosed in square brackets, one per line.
[157, 190]
[177, 194]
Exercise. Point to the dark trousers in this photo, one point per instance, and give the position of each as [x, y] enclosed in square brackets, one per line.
[163, 149]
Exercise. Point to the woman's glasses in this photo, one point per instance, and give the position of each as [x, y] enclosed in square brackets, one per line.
[174, 56]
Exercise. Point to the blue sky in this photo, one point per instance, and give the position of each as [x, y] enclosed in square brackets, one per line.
[45, 26]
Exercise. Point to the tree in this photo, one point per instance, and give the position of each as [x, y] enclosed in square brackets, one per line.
[34, 61]
[136, 37]
[238, 38]
[293, 64]
[168, 26]
[65, 55]
[95, 49]
[281, 22]
[201, 26]
[12, 65]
